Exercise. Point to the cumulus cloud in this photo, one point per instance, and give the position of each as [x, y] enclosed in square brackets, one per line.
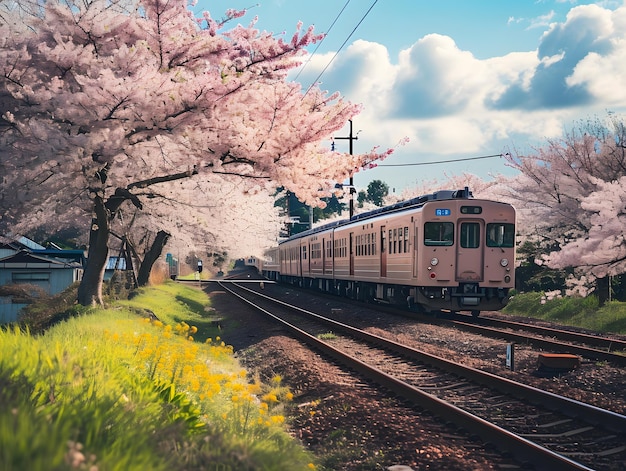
[588, 31]
[435, 78]
[449, 102]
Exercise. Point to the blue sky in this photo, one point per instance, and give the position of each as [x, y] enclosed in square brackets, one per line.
[459, 78]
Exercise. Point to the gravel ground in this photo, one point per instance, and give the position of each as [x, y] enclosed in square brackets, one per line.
[352, 425]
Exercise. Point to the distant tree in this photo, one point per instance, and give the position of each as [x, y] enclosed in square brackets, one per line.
[529, 276]
[361, 198]
[377, 190]
[333, 206]
[108, 104]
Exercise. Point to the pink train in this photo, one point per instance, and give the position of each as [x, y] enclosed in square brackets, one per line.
[443, 251]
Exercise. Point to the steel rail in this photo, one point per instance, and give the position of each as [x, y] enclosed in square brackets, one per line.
[553, 345]
[589, 339]
[523, 449]
[592, 414]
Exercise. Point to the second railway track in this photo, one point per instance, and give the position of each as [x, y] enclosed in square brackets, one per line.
[561, 432]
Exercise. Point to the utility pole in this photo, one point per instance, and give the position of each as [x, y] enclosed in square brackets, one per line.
[350, 138]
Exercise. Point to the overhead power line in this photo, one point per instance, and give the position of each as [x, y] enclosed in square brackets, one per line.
[320, 43]
[443, 161]
[340, 48]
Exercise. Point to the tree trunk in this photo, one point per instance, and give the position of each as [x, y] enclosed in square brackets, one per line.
[90, 288]
[602, 289]
[156, 249]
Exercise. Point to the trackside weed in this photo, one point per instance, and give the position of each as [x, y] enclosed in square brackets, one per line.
[110, 390]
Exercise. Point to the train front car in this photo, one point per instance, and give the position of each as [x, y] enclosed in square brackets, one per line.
[465, 255]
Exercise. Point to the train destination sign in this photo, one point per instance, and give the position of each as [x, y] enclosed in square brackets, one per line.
[442, 212]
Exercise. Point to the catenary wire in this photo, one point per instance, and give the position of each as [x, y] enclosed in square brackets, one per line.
[340, 48]
[443, 161]
[320, 43]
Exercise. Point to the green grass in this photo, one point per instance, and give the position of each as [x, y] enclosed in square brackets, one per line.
[327, 336]
[580, 312]
[113, 390]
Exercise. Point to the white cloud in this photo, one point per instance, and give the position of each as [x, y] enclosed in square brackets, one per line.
[541, 21]
[604, 75]
[450, 103]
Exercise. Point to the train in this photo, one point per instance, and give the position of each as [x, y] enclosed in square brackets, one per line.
[445, 251]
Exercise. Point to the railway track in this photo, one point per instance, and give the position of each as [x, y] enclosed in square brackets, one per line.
[561, 432]
[592, 347]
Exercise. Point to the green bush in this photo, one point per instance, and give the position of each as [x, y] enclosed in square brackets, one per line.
[575, 311]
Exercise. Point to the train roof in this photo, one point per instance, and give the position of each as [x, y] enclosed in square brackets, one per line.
[418, 201]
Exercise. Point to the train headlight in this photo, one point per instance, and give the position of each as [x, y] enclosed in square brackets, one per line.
[504, 262]
[434, 261]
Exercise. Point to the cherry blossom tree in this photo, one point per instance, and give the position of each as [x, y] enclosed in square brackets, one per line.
[108, 104]
[209, 218]
[570, 196]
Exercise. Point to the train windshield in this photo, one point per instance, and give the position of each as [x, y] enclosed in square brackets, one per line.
[438, 233]
[500, 235]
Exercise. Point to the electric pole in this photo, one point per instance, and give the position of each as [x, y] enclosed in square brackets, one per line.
[350, 138]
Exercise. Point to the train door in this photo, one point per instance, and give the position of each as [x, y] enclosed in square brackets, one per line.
[383, 252]
[414, 257]
[323, 256]
[351, 248]
[470, 250]
[304, 259]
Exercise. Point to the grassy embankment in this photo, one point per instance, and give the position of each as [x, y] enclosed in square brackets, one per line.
[109, 389]
[580, 312]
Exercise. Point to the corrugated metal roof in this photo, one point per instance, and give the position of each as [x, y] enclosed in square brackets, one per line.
[25, 259]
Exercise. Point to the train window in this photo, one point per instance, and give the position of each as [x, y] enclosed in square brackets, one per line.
[500, 235]
[470, 235]
[383, 233]
[304, 252]
[313, 251]
[406, 240]
[373, 243]
[390, 241]
[438, 233]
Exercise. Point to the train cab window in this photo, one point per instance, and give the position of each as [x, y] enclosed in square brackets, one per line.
[438, 233]
[500, 235]
[470, 235]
